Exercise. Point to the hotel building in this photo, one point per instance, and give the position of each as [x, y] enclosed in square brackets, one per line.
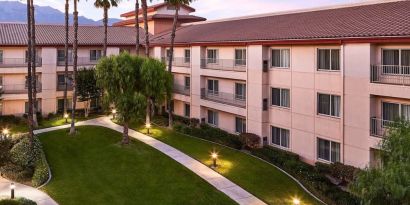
[322, 83]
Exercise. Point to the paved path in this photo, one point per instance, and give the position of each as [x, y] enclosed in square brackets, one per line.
[25, 191]
[232, 190]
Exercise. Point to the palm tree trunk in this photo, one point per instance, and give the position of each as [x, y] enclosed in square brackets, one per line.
[66, 59]
[137, 27]
[125, 137]
[174, 28]
[105, 31]
[72, 129]
[33, 64]
[144, 9]
[29, 77]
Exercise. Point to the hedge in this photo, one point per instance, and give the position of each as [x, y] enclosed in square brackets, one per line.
[41, 171]
[17, 201]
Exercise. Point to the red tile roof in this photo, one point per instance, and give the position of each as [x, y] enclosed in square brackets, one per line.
[181, 18]
[154, 8]
[14, 34]
[370, 21]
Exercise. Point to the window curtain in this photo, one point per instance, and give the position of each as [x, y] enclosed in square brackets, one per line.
[275, 96]
[390, 57]
[285, 96]
[285, 138]
[390, 111]
[276, 58]
[335, 109]
[285, 58]
[335, 59]
[323, 149]
[276, 135]
[324, 104]
[335, 152]
[405, 112]
[323, 59]
[1, 56]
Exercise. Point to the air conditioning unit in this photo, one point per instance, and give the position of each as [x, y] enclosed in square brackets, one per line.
[265, 104]
[265, 65]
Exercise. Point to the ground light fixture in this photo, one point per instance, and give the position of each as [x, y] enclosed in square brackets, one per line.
[214, 157]
[114, 113]
[12, 187]
[296, 201]
[66, 117]
[148, 126]
[5, 132]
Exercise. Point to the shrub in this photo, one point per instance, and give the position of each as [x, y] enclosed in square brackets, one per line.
[343, 172]
[5, 146]
[10, 119]
[250, 140]
[21, 154]
[16, 172]
[41, 173]
[17, 201]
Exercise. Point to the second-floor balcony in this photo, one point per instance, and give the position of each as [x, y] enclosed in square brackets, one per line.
[178, 61]
[17, 62]
[18, 88]
[225, 98]
[181, 89]
[81, 61]
[61, 87]
[390, 74]
[238, 65]
[379, 127]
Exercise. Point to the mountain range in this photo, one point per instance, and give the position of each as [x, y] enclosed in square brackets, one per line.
[14, 11]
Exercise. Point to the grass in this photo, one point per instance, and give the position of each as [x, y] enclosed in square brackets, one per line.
[257, 177]
[92, 168]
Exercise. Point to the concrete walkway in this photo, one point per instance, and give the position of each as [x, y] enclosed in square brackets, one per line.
[232, 190]
[28, 192]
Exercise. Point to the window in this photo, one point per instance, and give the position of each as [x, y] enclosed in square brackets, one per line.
[240, 57]
[36, 106]
[213, 87]
[212, 118]
[280, 97]
[187, 55]
[329, 105]
[61, 81]
[168, 53]
[328, 150]
[61, 55]
[396, 61]
[328, 59]
[240, 91]
[95, 55]
[37, 80]
[60, 104]
[394, 111]
[212, 55]
[280, 58]
[187, 109]
[1, 56]
[240, 125]
[280, 137]
[187, 82]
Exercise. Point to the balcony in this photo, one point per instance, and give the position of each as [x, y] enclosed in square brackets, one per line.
[238, 65]
[81, 61]
[225, 98]
[182, 89]
[17, 62]
[178, 61]
[390, 74]
[379, 127]
[18, 88]
[61, 87]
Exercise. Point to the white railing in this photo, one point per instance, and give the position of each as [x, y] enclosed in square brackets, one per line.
[390, 74]
[225, 98]
[379, 127]
[18, 88]
[238, 65]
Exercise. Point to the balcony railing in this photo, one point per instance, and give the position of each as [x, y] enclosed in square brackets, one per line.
[390, 74]
[181, 89]
[81, 61]
[178, 61]
[238, 65]
[17, 62]
[18, 88]
[225, 98]
[379, 127]
[61, 87]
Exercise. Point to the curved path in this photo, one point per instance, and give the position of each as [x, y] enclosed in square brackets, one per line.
[224, 185]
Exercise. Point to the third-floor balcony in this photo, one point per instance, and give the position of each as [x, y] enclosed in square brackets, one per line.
[81, 61]
[390, 74]
[61, 87]
[178, 61]
[238, 65]
[18, 88]
[225, 98]
[379, 127]
[17, 62]
[181, 89]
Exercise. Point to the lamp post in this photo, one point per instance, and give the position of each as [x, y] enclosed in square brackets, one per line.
[114, 112]
[12, 187]
[66, 118]
[148, 126]
[296, 201]
[214, 156]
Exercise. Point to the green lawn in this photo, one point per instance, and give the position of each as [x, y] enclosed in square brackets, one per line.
[259, 178]
[92, 168]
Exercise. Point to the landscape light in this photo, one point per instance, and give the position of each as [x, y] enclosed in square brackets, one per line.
[114, 112]
[214, 156]
[12, 187]
[296, 201]
[148, 126]
[5, 132]
[66, 117]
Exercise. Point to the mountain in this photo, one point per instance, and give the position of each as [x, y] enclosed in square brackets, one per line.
[14, 11]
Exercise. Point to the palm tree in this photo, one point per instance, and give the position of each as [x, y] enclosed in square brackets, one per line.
[137, 27]
[66, 58]
[33, 64]
[144, 12]
[177, 4]
[75, 45]
[106, 4]
[29, 77]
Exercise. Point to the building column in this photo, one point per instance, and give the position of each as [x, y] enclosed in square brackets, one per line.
[196, 82]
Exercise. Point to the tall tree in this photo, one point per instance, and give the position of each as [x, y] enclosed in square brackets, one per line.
[87, 88]
[145, 14]
[137, 27]
[105, 5]
[119, 77]
[390, 182]
[29, 77]
[66, 19]
[74, 81]
[34, 63]
[177, 4]
[156, 84]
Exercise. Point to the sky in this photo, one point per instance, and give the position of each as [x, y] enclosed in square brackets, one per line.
[210, 9]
